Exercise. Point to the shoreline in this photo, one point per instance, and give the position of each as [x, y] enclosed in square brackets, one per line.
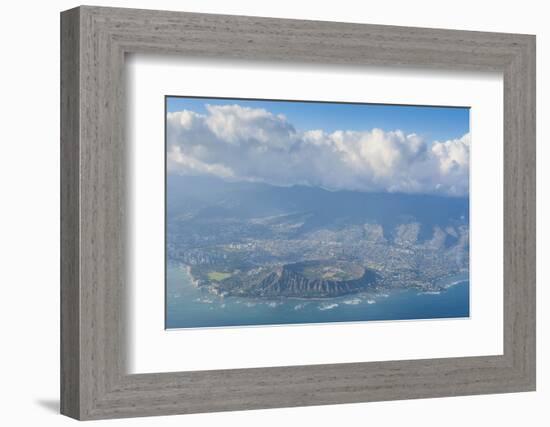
[363, 295]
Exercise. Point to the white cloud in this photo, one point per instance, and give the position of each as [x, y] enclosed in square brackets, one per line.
[246, 144]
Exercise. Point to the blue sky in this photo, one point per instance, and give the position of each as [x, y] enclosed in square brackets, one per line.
[395, 148]
[431, 123]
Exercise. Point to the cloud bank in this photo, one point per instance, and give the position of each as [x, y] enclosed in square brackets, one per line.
[248, 144]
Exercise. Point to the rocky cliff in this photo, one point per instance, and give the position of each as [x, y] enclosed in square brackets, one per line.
[300, 280]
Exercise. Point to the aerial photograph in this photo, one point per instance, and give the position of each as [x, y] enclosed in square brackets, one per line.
[306, 212]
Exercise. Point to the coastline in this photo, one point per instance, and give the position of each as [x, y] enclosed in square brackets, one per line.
[189, 307]
[370, 297]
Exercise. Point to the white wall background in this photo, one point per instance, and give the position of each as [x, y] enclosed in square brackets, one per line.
[29, 212]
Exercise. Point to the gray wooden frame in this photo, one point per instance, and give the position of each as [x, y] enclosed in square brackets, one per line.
[94, 41]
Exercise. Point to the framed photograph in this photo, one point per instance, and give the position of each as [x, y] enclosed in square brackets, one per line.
[262, 213]
[294, 212]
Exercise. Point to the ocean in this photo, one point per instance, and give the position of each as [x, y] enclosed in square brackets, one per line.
[190, 307]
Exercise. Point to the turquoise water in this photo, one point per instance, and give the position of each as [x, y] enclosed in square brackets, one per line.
[189, 307]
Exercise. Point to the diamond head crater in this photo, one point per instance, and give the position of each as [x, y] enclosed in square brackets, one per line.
[254, 240]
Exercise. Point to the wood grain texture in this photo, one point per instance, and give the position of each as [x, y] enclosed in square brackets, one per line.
[94, 381]
[70, 264]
